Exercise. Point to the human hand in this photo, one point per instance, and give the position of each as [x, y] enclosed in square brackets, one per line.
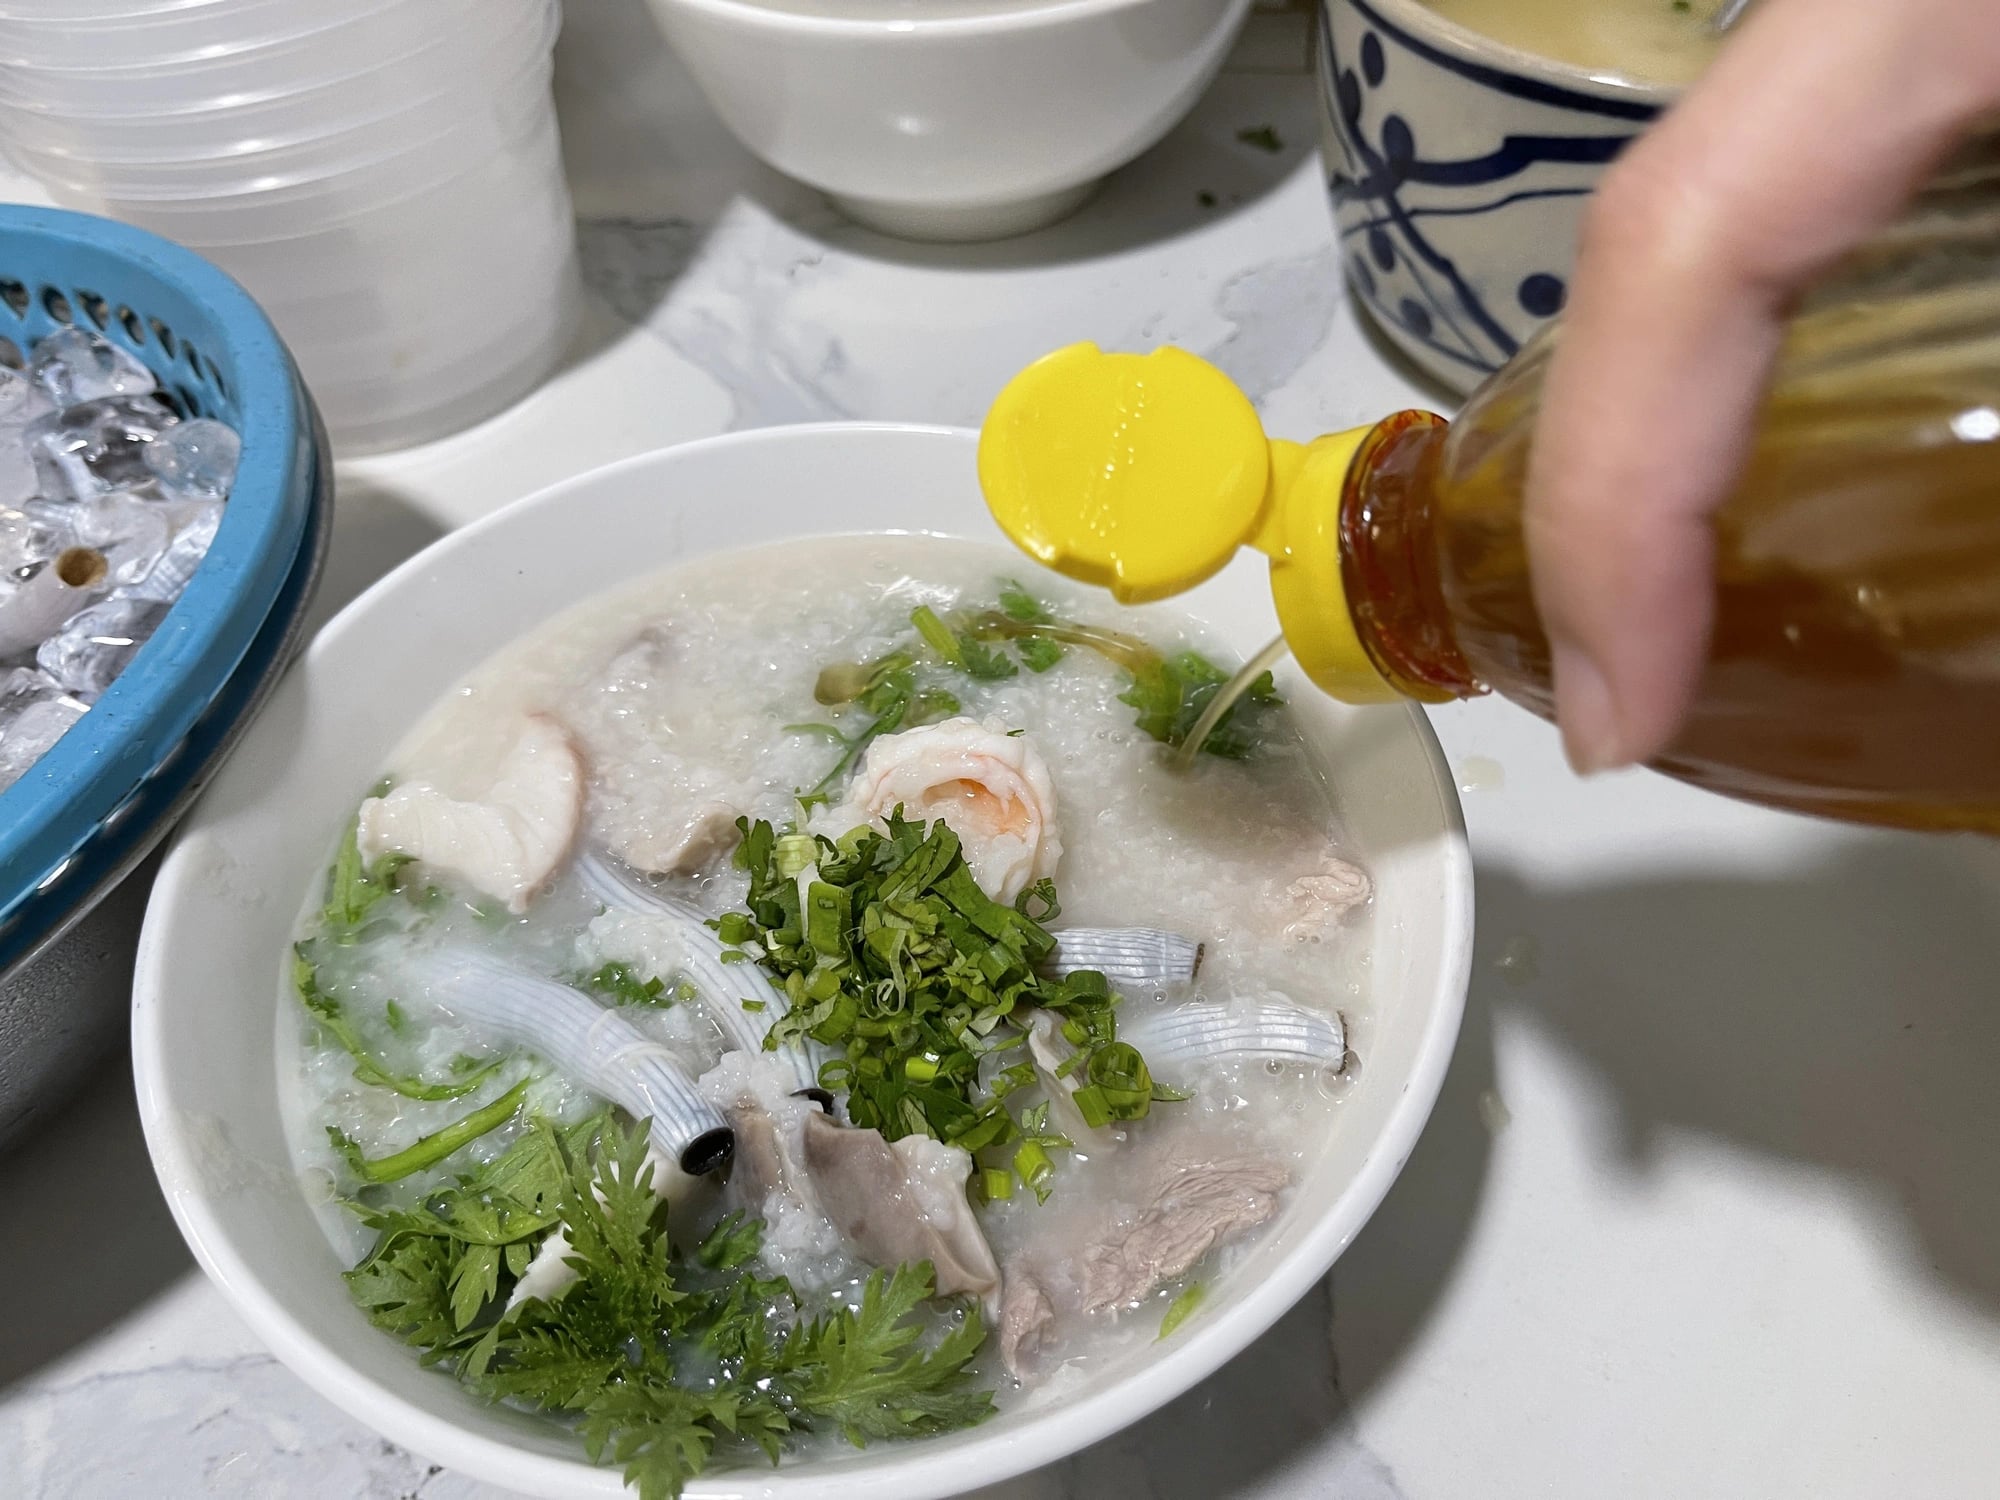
[1819, 119]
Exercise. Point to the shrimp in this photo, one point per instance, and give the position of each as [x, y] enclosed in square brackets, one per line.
[990, 788]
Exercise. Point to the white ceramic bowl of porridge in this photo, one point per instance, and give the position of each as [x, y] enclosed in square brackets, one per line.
[951, 119]
[216, 1039]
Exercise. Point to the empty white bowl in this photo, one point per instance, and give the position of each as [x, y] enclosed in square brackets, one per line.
[208, 988]
[951, 119]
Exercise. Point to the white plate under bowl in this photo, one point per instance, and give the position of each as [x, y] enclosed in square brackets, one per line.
[206, 992]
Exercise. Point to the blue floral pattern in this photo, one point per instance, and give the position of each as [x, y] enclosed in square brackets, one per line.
[1457, 186]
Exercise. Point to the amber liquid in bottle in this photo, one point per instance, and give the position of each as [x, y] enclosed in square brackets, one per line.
[1854, 666]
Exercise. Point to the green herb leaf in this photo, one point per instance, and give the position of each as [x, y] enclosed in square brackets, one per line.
[961, 651]
[1263, 137]
[405, 1289]
[1171, 695]
[860, 1368]
[1039, 653]
[608, 1349]
[1168, 692]
[1021, 605]
[732, 1243]
[986, 664]
[659, 1434]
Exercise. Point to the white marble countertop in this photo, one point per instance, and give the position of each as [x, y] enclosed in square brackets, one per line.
[1711, 1203]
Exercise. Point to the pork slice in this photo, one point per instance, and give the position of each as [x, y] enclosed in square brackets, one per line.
[760, 1167]
[1198, 1205]
[680, 847]
[1026, 1316]
[901, 1203]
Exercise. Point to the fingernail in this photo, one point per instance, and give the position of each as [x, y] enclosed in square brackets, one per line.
[1586, 712]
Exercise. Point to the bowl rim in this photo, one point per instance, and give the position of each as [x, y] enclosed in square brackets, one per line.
[1417, 25]
[1060, 1429]
[1005, 17]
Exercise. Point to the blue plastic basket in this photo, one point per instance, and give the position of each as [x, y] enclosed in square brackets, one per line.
[214, 354]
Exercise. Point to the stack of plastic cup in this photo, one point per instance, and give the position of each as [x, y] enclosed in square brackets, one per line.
[384, 176]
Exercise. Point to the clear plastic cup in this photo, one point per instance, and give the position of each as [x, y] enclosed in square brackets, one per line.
[140, 53]
[411, 39]
[253, 214]
[204, 132]
[406, 224]
[86, 11]
[453, 120]
[174, 37]
[473, 361]
[396, 414]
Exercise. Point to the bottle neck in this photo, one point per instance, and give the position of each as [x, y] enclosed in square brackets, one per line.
[1389, 560]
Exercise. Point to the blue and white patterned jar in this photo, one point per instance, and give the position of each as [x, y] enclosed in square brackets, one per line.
[1459, 170]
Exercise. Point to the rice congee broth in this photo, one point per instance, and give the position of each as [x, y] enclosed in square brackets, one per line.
[989, 1048]
[1659, 41]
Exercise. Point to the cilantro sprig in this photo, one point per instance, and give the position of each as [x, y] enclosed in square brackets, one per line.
[337, 1025]
[900, 690]
[353, 906]
[887, 691]
[612, 1350]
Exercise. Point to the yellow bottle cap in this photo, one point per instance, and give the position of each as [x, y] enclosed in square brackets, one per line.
[1146, 473]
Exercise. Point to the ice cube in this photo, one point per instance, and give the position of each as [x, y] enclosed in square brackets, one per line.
[168, 578]
[74, 365]
[54, 593]
[88, 653]
[97, 446]
[195, 460]
[21, 402]
[34, 713]
[18, 479]
[132, 532]
[30, 535]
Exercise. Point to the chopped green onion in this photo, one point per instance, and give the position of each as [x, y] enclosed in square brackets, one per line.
[1120, 1073]
[1092, 1105]
[796, 853]
[997, 1183]
[1179, 1309]
[1032, 1163]
[826, 917]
